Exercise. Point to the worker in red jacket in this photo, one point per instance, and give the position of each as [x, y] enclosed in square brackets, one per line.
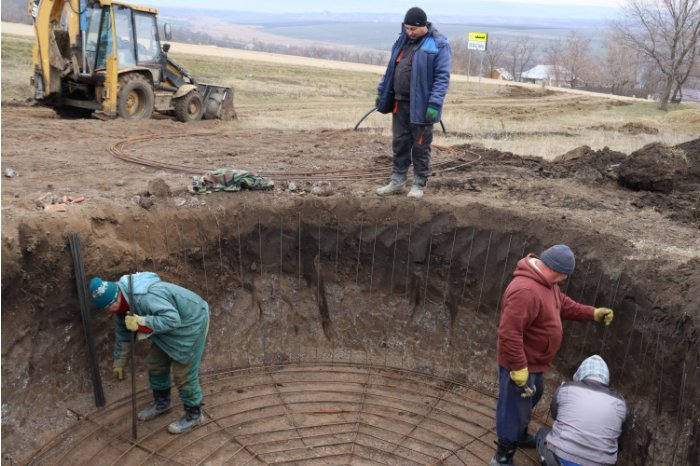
[529, 336]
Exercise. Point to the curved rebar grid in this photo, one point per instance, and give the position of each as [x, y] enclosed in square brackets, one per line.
[305, 413]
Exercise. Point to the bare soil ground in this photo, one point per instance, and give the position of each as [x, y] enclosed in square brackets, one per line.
[643, 244]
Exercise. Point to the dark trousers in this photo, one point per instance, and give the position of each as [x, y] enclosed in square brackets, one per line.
[513, 412]
[411, 144]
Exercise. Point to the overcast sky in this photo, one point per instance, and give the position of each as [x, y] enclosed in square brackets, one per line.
[362, 6]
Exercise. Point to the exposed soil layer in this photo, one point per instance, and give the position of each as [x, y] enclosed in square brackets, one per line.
[319, 277]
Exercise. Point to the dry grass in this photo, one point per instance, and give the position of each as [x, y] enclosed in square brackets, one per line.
[527, 121]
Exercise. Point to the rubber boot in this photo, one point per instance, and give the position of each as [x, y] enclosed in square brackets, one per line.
[416, 191]
[527, 440]
[192, 418]
[395, 186]
[504, 454]
[161, 405]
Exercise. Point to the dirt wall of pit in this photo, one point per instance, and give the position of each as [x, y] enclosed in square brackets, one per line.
[416, 286]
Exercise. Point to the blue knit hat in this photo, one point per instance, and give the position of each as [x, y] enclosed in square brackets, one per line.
[559, 258]
[593, 368]
[103, 293]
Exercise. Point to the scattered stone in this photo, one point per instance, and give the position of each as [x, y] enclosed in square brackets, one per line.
[322, 188]
[159, 188]
[180, 201]
[292, 186]
[11, 172]
[55, 208]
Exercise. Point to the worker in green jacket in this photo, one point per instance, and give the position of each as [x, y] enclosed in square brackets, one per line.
[176, 321]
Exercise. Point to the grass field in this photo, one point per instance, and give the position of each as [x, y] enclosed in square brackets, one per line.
[526, 121]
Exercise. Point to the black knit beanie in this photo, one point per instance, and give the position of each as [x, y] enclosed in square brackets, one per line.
[415, 17]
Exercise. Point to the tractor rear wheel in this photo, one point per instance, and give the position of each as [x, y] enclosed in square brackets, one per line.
[189, 107]
[135, 99]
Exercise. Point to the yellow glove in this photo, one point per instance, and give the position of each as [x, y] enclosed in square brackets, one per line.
[133, 321]
[603, 313]
[519, 377]
[118, 373]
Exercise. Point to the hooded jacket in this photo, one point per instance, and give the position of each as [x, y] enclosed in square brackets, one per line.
[530, 330]
[589, 419]
[430, 75]
[177, 316]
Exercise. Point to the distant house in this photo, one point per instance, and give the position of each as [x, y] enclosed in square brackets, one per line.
[501, 74]
[549, 75]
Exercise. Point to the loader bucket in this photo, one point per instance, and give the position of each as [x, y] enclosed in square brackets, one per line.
[218, 102]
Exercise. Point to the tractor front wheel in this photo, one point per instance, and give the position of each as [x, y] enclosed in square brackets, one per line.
[135, 98]
[189, 107]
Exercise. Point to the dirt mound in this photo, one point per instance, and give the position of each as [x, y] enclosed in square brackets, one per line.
[654, 167]
[524, 92]
[637, 128]
[588, 164]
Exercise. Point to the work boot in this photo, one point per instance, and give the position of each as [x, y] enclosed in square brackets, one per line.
[416, 191]
[504, 454]
[395, 186]
[193, 417]
[527, 440]
[160, 405]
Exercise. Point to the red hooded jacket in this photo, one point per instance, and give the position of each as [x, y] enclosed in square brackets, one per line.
[530, 331]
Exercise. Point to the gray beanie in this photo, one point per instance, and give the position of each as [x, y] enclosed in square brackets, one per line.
[559, 258]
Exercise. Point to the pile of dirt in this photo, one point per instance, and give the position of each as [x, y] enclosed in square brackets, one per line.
[637, 128]
[654, 167]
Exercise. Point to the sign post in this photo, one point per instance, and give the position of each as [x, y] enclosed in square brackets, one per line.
[477, 41]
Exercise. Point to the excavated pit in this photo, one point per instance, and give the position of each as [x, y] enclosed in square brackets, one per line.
[340, 334]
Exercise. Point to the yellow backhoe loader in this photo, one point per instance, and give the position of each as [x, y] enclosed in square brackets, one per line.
[106, 56]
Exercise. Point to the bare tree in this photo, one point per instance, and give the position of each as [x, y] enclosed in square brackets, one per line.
[494, 55]
[621, 67]
[665, 31]
[571, 62]
[518, 56]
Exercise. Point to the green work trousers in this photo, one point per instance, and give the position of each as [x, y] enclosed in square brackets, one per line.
[186, 375]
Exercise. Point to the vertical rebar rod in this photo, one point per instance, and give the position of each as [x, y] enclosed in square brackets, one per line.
[371, 270]
[165, 241]
[612, 306]
[408, 258]
[427, 267]
[588, 327]
[281, 260]
[221, 253]
[503, 277]
[359, 251]
[318, 269]
[483, 277]
[681, 394]
[393, 261]
[150, 247]
[629, 342]
[466, 271]
[202, 244]
[260, 252]
[337, 248]
[240, 250]
[449, 269]
[299, 252]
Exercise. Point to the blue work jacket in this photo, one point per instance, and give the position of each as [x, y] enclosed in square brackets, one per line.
[177, 316]
[430, 75]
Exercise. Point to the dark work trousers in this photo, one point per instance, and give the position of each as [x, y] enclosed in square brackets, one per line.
[513, 412]
[411, 144]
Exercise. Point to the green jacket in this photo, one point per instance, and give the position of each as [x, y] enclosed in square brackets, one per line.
[177, 316]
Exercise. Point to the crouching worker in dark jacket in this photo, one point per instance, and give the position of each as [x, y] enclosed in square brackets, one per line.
[589, 419]
[176, 321]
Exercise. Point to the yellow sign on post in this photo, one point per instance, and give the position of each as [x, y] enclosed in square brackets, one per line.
[477, 41]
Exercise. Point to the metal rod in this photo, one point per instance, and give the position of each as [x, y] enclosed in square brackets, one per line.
[466, 271]
[132, 308]
[299, 251]
[427, 268]
[371, 270]
[79, 270]
[588, 327]
[612, 305]
[240, 250]
[408, 258]
[393, 261]
[449, 269]
[483, 278]
[262, 283]
[503, 277]
[359, 250]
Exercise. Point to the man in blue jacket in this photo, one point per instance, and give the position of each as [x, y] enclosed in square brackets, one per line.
[413, 89]
[176, 321]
